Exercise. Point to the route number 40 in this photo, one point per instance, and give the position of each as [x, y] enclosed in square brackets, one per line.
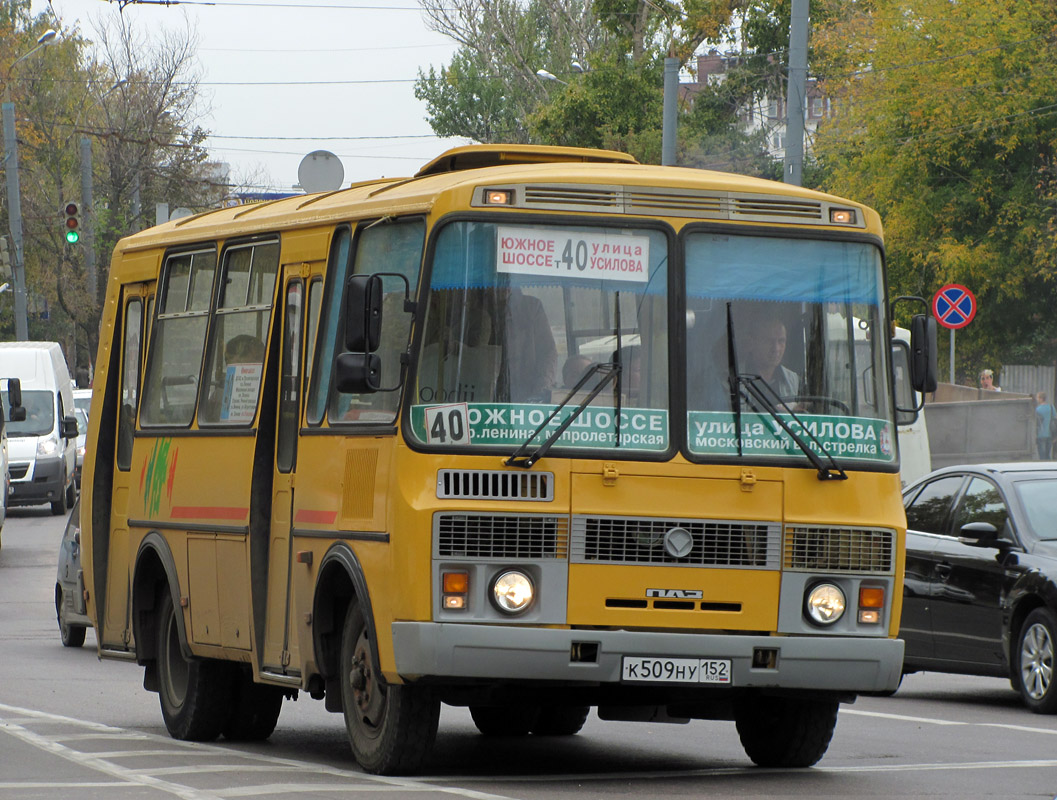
[447, 424]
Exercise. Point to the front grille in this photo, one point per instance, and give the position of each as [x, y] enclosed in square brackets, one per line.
[759, 207]
[485, 484]
[833, 549]
[520, 536]
[18, 471]
[636, 540]
[594, 198]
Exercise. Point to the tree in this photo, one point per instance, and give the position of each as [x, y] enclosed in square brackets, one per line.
[137, 102]
[947, 126]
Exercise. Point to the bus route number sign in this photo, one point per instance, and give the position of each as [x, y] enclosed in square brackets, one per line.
[448, 424]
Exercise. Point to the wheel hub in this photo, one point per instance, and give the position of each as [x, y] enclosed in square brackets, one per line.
[367, 693]
[1036, 661]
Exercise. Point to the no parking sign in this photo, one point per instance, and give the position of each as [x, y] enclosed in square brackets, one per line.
[954, 306]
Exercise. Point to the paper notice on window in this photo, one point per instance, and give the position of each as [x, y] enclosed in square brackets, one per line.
[560, 253]
[240, 392]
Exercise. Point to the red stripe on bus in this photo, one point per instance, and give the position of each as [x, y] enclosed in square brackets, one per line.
[209, 512]
[318, 517]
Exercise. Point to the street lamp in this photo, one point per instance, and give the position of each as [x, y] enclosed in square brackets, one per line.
[550, 76]
[14, 197]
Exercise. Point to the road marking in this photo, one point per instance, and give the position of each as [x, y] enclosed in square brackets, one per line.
[934, 721]
[99, 762]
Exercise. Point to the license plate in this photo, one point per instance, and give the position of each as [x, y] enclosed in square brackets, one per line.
[676, 670]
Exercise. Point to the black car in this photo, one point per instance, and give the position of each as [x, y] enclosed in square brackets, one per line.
[981, 575]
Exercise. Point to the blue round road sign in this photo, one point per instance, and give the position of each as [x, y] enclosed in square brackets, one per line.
[954, 306]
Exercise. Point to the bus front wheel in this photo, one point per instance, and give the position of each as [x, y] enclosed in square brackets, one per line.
[785, 731]
[195, 693]
[391, 728]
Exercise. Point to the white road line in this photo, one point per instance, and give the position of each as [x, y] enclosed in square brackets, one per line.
[98, 761]
[934, 721]
[291, 788]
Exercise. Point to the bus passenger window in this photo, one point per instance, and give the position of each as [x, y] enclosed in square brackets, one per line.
[178, 340]
[235, 360]
[129, 383]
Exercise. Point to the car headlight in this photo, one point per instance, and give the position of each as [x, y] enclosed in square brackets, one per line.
[47, 447]
[513, 592]
[825, 604]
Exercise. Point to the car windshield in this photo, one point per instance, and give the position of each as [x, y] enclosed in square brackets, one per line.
[40, 413]
[1038, 497]
[801, 321]
[519, 318]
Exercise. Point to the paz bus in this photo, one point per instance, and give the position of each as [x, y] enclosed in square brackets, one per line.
[533, 431]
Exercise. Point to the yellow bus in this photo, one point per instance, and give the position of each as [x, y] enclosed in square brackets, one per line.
[534, 431]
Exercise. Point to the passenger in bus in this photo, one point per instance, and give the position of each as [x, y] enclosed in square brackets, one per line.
[244, 349]
[574, 369]
[764, 351]
[530, 357]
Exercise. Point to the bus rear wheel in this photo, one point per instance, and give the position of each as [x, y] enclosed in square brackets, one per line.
[560, 720]
[254, 710]
[786, 731]
[391, 727]
[195, 693]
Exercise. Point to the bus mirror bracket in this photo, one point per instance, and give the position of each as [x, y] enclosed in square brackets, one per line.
[923, 367]
[14, 399]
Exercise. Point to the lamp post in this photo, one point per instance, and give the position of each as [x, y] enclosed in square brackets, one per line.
[14, 198]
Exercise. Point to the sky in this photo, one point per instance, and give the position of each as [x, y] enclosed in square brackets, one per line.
[282, 78]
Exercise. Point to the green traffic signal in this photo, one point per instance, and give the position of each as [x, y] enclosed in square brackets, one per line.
[72, 236]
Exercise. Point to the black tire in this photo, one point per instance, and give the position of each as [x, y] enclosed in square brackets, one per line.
[560, 720]
[71, 494]
[60, 507]
[504, 721]
[195, 694]
[72, 635]
[785, 732]
[254, 710]
[1033, 662]
[391, 727]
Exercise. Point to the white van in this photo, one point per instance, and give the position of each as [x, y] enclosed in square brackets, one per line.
[42, 448]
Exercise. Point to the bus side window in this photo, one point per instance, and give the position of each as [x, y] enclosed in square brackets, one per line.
[129, 382]
[178, 339]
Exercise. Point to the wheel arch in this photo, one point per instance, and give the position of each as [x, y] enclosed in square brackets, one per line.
[341, 580]
[155, 573]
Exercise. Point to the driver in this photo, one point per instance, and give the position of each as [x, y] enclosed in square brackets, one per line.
[765, 349]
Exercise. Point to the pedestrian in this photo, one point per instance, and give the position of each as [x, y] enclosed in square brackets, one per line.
[1045, 426]
[987, 381]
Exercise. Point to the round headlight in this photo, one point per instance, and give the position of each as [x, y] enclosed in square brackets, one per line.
[513, 592]
[825, 604]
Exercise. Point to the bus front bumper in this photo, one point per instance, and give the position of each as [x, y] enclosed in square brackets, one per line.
[827, 663]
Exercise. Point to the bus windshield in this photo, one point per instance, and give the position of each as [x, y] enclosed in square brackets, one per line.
[518, 314]
[801, 319]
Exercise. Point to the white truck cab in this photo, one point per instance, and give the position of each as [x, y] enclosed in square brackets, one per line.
[42, 448]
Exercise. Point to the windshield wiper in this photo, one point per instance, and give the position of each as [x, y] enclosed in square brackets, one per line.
[610, 370]
[755, 387]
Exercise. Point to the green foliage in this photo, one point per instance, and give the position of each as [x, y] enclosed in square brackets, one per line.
[947, 126]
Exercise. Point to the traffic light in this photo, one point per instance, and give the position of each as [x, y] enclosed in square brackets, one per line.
[5, 259]
[73, 223]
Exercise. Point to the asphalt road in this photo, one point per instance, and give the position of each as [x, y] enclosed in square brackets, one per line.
[77, 728]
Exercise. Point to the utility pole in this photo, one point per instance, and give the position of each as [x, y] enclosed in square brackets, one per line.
[795, 95]
[669, 117]
[89, 218]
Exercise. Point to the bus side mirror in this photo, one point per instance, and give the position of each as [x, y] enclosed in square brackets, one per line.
[358, 373]
[363, 313]
[923, 369]
[14, 399]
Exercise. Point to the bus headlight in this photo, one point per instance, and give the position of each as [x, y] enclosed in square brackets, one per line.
[825, 604]
[513, 592]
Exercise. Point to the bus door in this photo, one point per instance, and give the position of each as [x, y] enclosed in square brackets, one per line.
[117, 628]
[280, 648]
